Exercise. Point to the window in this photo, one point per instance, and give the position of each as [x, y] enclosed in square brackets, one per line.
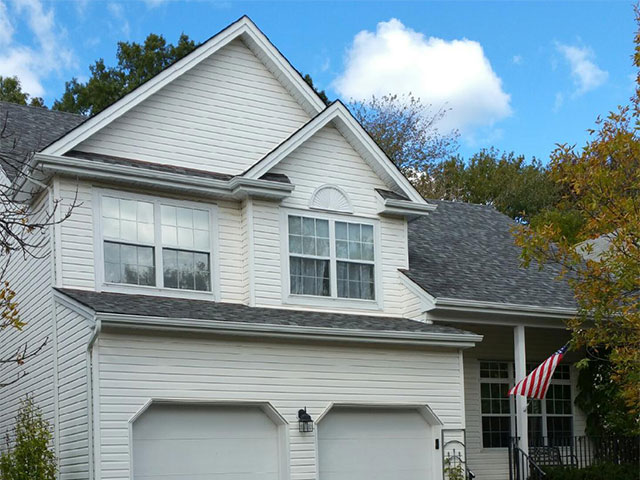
[331, 258]
[550, 421]
[127, 226]
[152, 242]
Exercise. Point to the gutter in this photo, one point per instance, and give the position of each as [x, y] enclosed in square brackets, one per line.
[445, 303]
[236, 187]
[393, 206]
[456, 340]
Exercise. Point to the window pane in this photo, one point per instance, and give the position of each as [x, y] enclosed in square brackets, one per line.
[355, 280]
[354, 232]
[322, 247]
[496, 432]
[201, 239]
[308, 227]
[295, 225]
[169, 215]
[145, 212]
[185, 237]
[169, 235]
[145, 232]
[322, 228]
[309, 276]
[494, 370]
[185, 217]
[128, 231]
[110, 207]
[192, 230]
[128, 210]
[186, 270]
[342, 249]
[308, 245]
[341, 231]
[201, 220]
[129, 264]
[367, 233]
[128, 220]
[295, 244]
[170, 266]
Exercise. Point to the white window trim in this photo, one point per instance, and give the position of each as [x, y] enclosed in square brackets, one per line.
[102, 286]
[332, 301]
[510, 380]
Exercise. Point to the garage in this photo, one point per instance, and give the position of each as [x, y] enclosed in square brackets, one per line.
[380, 443]
[202, 441]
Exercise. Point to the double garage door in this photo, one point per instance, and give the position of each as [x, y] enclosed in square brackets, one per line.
[187, 442]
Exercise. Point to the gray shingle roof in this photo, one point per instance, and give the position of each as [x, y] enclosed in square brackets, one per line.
[154, 306]
[28, 130]
[466, 251]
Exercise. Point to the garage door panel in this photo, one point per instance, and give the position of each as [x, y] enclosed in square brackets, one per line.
[358, 444]
[205, 442]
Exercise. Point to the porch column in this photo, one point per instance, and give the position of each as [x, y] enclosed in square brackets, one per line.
[520, 358]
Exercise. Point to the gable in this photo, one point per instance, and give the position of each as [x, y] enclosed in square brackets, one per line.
[327, 158]
[223, 115]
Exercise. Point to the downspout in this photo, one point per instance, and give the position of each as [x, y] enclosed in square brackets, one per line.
[97, 327]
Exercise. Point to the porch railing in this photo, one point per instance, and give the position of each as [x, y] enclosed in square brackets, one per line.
[575, 452]
[521, 465]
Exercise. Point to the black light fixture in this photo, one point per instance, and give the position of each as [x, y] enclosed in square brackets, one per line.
[305, 422]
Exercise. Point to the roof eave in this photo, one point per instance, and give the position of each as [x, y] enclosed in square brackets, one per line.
[136, 322]
[234, 188]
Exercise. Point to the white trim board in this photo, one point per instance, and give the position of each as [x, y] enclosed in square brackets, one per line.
[353, 132]
[243, 28]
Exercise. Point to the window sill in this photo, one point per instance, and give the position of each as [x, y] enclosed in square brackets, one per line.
[331, 302]
[156, 291]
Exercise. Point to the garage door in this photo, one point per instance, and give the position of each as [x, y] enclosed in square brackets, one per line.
[359, 444]
[185, 442]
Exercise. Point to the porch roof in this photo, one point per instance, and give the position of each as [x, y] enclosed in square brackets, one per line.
[466, 251]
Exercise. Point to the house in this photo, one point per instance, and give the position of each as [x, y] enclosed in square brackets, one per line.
[242, 259]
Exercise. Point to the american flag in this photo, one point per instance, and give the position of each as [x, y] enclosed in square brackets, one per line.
[536, 384]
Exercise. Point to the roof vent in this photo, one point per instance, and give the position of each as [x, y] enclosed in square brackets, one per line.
[330, 197]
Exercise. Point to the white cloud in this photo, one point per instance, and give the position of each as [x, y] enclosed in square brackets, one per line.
[586, 74]
[48, 52]
[452, 74]
[517, 59]
[558, 102]
[116, 10]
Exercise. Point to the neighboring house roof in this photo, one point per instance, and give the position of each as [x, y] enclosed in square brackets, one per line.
[26, 130]
[205, 310]
[467, 252]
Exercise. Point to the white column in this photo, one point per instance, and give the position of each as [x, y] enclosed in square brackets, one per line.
[520, 358]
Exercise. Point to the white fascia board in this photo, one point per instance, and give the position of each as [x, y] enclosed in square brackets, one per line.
[243, 27]
[339, 113]
[405, 208]
[445, 303]
[432, 303]
[461, 340]
[236, 187]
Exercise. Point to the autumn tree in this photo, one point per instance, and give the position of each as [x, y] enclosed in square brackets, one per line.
[11, 91]
[137, 63]
[601, 184]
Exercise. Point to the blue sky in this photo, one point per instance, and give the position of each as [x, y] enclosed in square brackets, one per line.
[516, 75]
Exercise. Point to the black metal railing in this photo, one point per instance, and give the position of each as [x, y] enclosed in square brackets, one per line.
[583, 451]
[570, 452]
[454, 455]
[521, 465]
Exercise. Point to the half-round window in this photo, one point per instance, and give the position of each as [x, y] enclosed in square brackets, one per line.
[330, 197]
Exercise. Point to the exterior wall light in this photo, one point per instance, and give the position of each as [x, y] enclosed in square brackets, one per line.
[305, 422]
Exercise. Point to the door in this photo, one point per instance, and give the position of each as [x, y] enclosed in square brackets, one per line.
[374, 444]
[194, 442]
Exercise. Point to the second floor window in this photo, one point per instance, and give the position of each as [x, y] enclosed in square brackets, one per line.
[156, 243]
[331, 258]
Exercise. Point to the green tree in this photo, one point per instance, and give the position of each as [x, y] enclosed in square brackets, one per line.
[406, 129]
[30, 456]
[515, 187]
[321, 93]
[600, 183]
[11, 91]
[137, 63]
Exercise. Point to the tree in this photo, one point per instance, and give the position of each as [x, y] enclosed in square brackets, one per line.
[23, 219]
[515, 187]
[30, 457]
[137, 63]
[11, 91]
[601, 184]
[407, 131]
[321, 93]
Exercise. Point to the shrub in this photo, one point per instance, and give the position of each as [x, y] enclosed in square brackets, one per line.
[30, 458]
[604, 471]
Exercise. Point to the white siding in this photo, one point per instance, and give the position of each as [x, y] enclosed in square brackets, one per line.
[134, 369]
[492, 463]
[223, 115]
[327, 158]
[73, 335]
[76, 235]
[230, 252]
[31, 279]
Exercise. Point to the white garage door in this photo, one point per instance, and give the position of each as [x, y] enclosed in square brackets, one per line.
[187, 442]
[389, 444]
